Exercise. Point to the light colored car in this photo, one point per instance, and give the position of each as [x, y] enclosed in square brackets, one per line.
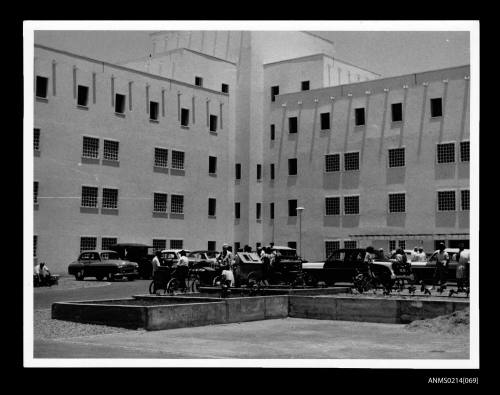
[100, 264]
[171, 256]
[425, 270]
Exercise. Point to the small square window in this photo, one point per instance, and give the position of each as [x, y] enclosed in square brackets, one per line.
[271, 210]
[41, 86]
[212, 205]
[292, 208]
[184, 117]
[35, 192]
[351, 205]
[446, 201]
[397, 112]
[88, 243]
[237, 206]
[198, 81]
[36, 139]
[257, 211]
[225, 88]
[396, 157]
[89, 197]
[159, 244]
[119, 103]
[177, 204]
[292, 167]
[305, 85]
[153, 110]
[161, 157]
[392, 245]
[272, 171]
[436, 107]
[325, 121]
[332, 163]
[160, 202]
[464, 151]
[350, 244]
[351, 161]
[107, 242]
[402, 244]
[465, 199]
[83, 95]
[259, 172]
[212, 165]
[178, 160]
[359, 116]
[446, 153]
[237, 171]
[90, 147]
[292, 125]
[275, 90]
[111, 150]
[273, 132]
[109, 198]
[397, 202]
[332, 206]
[213, 123]
[176, 244]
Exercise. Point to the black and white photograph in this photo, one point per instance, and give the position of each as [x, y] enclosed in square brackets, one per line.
[251, 194]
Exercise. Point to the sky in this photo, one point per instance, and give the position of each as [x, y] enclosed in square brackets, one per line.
[384, 52]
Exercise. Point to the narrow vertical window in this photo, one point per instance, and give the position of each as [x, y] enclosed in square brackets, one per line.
[257, 211]
[36, 139]
[237, 206]
[184, 117]
[272, 171]
[292, 167]
[119, 103]
[292, 208]
[41, 87]
[153, 110]
[213, 123]
[436, 107]
[359, 116]
[275, 90]
[397, 112]
[259, 172]
[212, 204]
[237, 171]
[325, 121]
[292, 125]
[83, 96]
[271, 210]
[464, 151]
[273, 132]
[212, 165]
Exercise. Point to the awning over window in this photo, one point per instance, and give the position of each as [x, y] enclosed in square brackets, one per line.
[413, 236]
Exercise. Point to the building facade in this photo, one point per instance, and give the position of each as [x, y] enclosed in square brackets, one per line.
[218, 137]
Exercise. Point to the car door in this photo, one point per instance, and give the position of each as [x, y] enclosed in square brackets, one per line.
[334, 267]
[84, 260]
[93, 268]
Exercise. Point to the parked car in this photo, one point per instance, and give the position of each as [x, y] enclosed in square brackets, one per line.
[169, 257]
[425, 270]
[202, 258]
[100, 264]
[287, 263]
[141, 254]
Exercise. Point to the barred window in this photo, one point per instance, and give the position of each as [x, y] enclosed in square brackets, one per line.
[153, 110]
[177, 204]
[330, 246]
[111, 149]
[402, 244]
[89, 196]
[465, 199]
[35, 192]
[351, 161]
[396, 157]
[107, 242]
[305, 85]
[159, 244]
[176, 244]
[90, 147]
[351, 204]
[332, 162]
[109, 198]
[88, 243]
[464, 151]
[41, 86]
[397, 202]
[36, 139]
[332, 206]
[359, 115]
[350, 244]
[161, 157]
[392, 245]
[35, 245]
[446, 200]
[446, 153]
[178, 160]
[160, 202]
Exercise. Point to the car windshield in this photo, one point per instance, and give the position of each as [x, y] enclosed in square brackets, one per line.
[109, 255]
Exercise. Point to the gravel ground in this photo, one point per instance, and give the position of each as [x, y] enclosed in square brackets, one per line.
[457, 323]
[44, 327]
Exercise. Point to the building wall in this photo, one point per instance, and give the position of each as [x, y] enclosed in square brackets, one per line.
[59, 221]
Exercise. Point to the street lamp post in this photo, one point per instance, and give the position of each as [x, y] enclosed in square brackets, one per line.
[299, 210]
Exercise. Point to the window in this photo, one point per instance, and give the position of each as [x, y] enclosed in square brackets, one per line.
[83, 95]
[153, 110]
[330, 246]
[111, 149]
[259, 172]
[88, 243]
[90, 147]
[184, 117]
[464, 151]
[273, 132]
[41, 86]
[89, 196]
[237, 246]
[119, 103]
[436, 107]
[212, 206]
[177, 204]
[237, 210]
[211, 246]
[109, 198]
[272, 171]
[161, 157]
[396, 157]
[275, 90]
[198, 81]
[160, 202]
[465, 199]
[332, 162]
[325, 120]
[305, 85]
[446, 153]
[292, 244]
[392, 245]
[292, 125]
[176, 244]
[359, 114]
[212, 164]
[213, 123]
[159, 244]
[257, 210]
[332, 206]
[237, 171]
[225, 88]
[446, 200]
[351, 161]
[36, 139]
[107, 242]
[402, 244]
[35, 192]
[350, 244]
[292, 167]
[271, 210]
[351, 205]
[397, 202]
[35, 245]
[292, 208]
[178, 160]
[397, 112]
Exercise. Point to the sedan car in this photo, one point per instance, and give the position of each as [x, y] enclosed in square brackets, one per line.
[170, 257]
[425, 270]
[141, 254]
[202, 258]
[100, 264]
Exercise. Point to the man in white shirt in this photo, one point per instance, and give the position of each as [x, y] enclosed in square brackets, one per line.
[442, 260]
[182, 269]
[156, 262]
[43, 273]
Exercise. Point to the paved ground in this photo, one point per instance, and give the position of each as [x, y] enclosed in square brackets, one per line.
[276, 339]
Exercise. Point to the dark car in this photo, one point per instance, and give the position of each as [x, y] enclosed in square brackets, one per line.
[287, 263]
[100, 264]
[142, 254]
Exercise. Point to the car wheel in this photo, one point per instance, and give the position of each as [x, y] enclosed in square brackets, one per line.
[152, 288]
[79, 276]
[110, 277]
[252, 278]
[172, 285]
[194, 282]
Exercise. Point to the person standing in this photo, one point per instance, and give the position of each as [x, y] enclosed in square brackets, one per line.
[442, 261]
[421, 255]
[156, 263]
[182, 269]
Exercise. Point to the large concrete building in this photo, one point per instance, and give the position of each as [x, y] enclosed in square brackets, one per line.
[218, 137]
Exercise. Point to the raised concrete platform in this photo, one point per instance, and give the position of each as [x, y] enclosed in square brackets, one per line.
[277, 290]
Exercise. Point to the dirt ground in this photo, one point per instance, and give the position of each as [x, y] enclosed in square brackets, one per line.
[457, 323]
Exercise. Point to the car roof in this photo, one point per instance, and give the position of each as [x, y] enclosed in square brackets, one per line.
[173, 250]
[98, 251]
[282, 248]
[130, 245]
[453, 250]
